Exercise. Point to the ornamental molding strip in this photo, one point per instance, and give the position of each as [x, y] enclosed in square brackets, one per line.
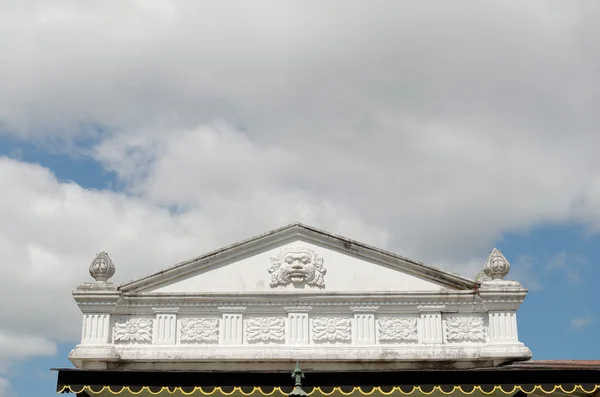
[394, 329]
[199, 330]
[133, 330]
[298, 266]
[232, 309]
[166, 310]
[364, 309]
[298, 309]
[265, 329]
[431, 308]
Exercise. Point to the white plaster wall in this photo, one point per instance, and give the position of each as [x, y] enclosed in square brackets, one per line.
[344, 273]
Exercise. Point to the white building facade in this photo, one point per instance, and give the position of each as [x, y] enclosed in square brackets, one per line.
[299, 294]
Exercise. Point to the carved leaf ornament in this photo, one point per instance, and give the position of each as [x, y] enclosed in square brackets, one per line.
[265, 329]
[133, 330]
[465, 329]
[199, 330]
[394, 329]
[331, 329]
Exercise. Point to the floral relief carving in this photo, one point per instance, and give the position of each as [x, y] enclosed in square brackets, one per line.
[265, 329]
[200, 330]
[465, 329]
[331, 329]
[133, 330]
[298, 266]
[397, 329]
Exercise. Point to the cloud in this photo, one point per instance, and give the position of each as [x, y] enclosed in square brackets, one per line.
[52, 230]
[581, 322]
[570, 264]
[18, 347]
[4, 387]
[526, 270]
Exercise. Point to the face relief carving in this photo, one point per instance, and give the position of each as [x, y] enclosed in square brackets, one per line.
[298, 266]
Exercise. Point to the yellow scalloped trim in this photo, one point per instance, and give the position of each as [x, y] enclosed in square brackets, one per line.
[259, 391]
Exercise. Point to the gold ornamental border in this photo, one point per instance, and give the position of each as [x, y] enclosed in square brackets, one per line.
[208, 391]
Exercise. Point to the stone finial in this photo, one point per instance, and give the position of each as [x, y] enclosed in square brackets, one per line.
[102, 268]
[496, 266]
[298, 375]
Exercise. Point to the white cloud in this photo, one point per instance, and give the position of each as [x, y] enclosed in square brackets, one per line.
[570, 264]
[4, 387]
[19, 346]
[581, 322]
[51, 231]
[526, 269]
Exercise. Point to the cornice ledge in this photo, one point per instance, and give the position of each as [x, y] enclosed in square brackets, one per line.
[431, 308]
[298, 309]
[232, 309]
[364, 309]
[501, 285]
[171, 310]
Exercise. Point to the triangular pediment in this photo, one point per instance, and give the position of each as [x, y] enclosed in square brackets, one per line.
[298, 259]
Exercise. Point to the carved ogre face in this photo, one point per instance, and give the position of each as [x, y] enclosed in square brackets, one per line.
[299, 266]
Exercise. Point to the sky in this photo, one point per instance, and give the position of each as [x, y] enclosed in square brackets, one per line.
[158, 130]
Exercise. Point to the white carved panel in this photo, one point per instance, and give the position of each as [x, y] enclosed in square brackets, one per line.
[95, 329]
[298, 328]
[134, 330]
[465, 329]
[232, 328]
[431, 328]
[364, 328]
[398, 329]
[165, 329]
[199, 330]
[331, 329]
[503, 327]
[265, 329]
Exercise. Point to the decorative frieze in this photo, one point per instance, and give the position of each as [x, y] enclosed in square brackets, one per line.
[199, 330]
[133, 330]
[331, 329]
[265, 329]
[298, 309]
[465, 329]
[431, 308]
[232, 309]
[397, 329]
[364, 309]
[166, 309]
[298, 266]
